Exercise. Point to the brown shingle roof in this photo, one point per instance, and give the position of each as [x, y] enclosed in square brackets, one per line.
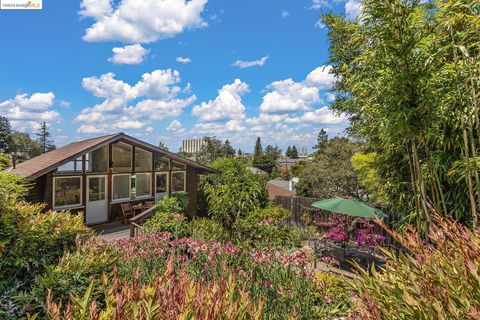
[274, 190]
[46, 162]
[37, 166]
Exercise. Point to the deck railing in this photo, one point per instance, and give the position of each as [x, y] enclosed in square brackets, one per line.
[136, 223]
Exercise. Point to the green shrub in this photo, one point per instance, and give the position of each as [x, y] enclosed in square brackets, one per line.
[167, 217]
[38, 239]
[438, 279]
[182, 200]
[4, 161]
[32, 241]
[175, 223]
[13, 188]
[77, 270]
[207, 229]
[170, 204]
[334, 289]
[267, 228]
[234, 192]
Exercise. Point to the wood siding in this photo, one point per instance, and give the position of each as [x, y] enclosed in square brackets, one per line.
[191, 189]
[42, 187]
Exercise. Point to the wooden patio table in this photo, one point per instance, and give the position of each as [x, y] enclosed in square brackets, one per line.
[137, 207]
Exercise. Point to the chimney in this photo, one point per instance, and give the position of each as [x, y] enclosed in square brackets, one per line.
[14, 160]
[292, 183]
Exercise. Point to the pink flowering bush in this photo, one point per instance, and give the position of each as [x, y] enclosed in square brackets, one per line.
[281, 279]
[342, 228]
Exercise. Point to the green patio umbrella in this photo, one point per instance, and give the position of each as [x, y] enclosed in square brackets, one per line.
[349, 207]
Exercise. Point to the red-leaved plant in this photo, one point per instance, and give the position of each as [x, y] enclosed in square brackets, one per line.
[438, 278]
[173, 295]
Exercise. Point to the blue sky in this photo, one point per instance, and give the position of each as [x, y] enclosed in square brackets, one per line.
[172, 69]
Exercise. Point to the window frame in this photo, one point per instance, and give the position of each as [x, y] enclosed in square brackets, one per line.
[173, 163]
[132, 164]
[74, 172]
[149, 185]
[184, 181]
[138, 149]
[168, 181]
[89, 162]
[87, 192]
[69, 206]
[129, 188]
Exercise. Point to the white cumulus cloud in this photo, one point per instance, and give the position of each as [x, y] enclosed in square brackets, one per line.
[248, 64]
[26, 111]
[319, 4]
[183, 60]
[218, 128]
[145, 21]
[133, 54]
[353, 8]
[289, 96]
[321, 116]
[176, 127]
[129, 107]
[227, 105]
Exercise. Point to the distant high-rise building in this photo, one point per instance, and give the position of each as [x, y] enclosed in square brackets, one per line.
[193, 145]
[303, 152]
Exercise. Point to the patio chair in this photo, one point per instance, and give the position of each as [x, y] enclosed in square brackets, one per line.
[149, 204]
[127, 211]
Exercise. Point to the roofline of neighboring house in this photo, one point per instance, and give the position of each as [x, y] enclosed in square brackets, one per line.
[113, 138]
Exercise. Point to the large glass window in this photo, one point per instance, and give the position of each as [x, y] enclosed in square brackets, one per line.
[143, 160]
[71, 166]
[67, 191]
[161, 163]
[121, 157]
[143, 185]
[178, 181]
[121, 187]
[177, 166]
[96, 188]
[161, 182]
[97, 160]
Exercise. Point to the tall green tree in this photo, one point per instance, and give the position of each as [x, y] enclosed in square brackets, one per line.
[258, 150]
[322, 139]
[288, 153]
[267, 160]
[331, 173]
[228, 150]
[5, 135]
[408, 75]
[24, 146]
[294, 152]
[213, 150]
[44, 137]
[273, 152]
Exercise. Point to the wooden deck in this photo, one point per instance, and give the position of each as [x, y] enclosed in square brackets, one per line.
[113, 231]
